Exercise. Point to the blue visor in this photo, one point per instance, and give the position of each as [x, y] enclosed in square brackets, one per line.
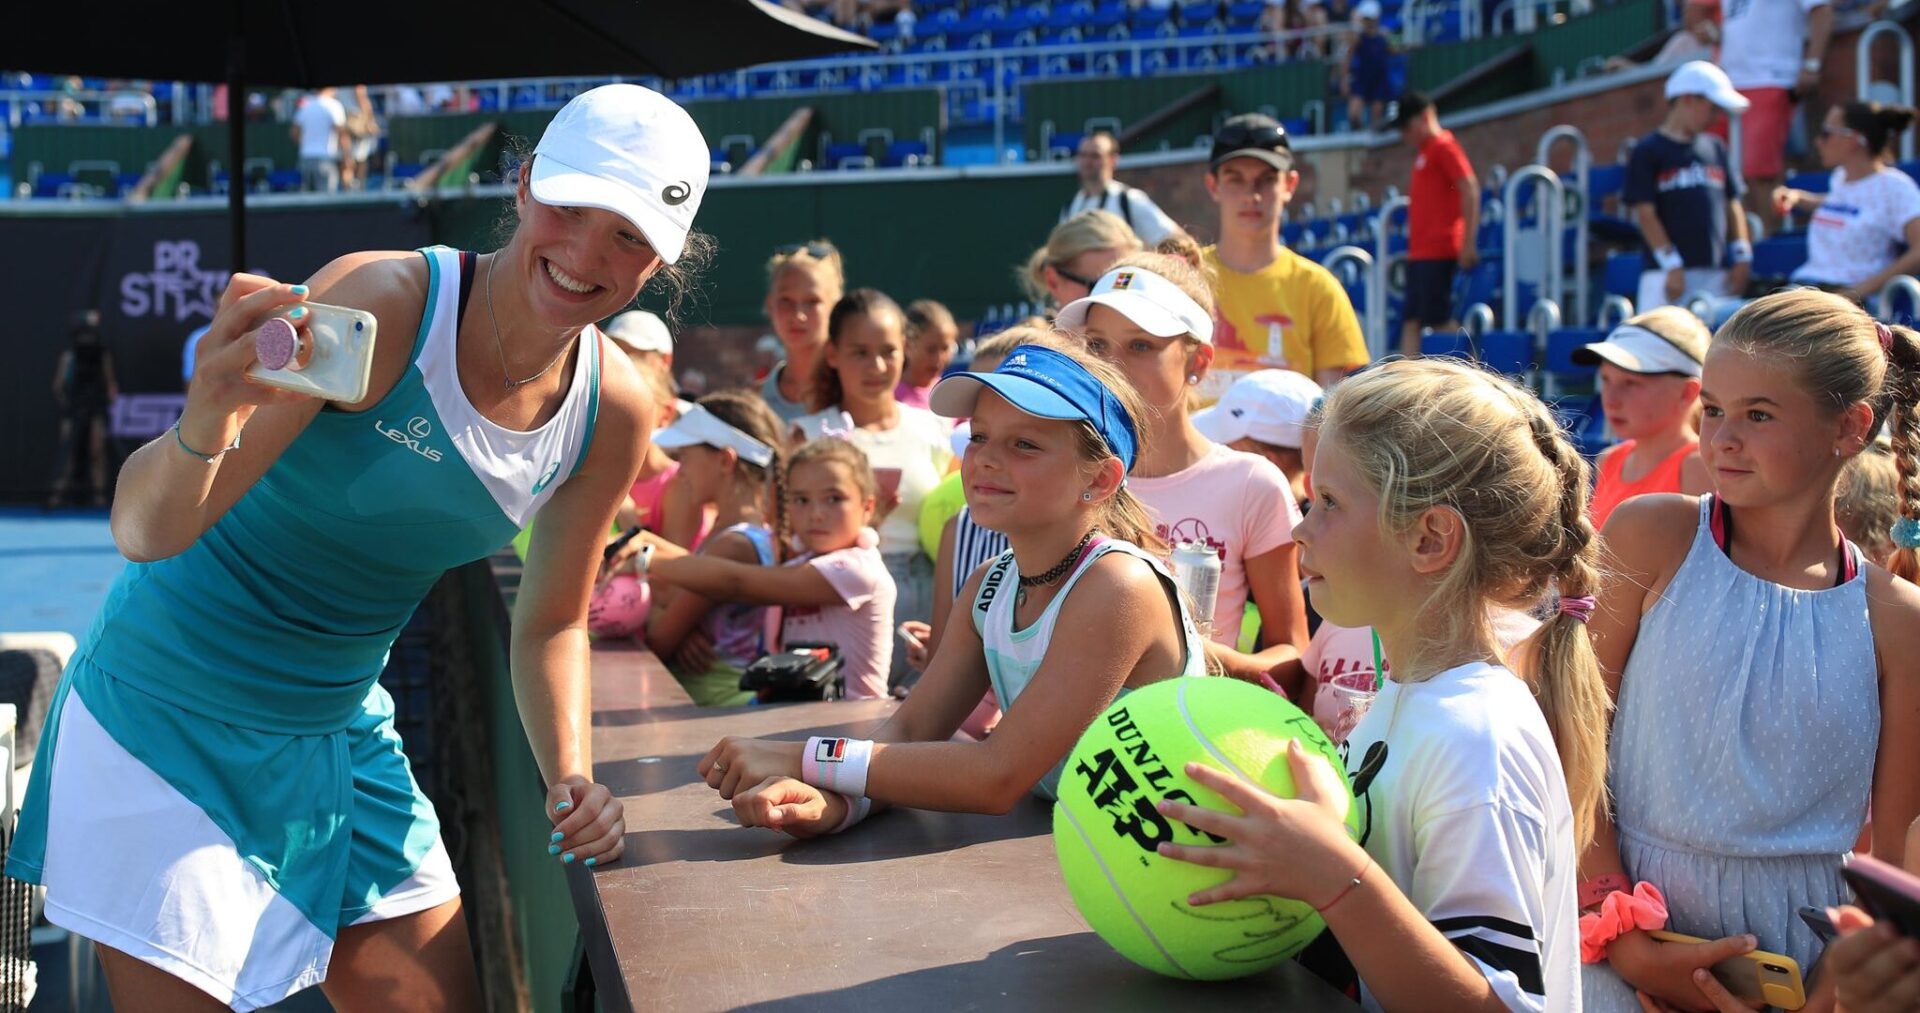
[1045, 384]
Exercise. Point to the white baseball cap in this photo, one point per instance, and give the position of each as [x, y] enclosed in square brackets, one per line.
[626, 149]
[1269, 405]
[1153, 303]
[641, 331]
[698, 427]
[1367, 9]
[1699, 77]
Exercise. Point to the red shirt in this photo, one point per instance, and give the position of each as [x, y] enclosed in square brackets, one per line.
[1435, 227]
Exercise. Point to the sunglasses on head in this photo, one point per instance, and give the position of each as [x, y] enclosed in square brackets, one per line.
[1240, 136]
[818, 251]
[1826, 132]
[1086, 283]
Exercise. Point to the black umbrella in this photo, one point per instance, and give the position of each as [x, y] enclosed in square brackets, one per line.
[310, 43]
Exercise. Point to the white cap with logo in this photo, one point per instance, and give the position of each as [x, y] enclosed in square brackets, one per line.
[641, 331]
[1699, 77]
[1153, 303]
[1268, 405]
[629, 150]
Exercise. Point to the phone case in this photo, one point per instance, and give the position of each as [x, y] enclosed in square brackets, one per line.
[1771, 978]
[1886, 892]
[341, 363]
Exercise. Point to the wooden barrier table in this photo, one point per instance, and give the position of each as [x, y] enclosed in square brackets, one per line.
[912, 910]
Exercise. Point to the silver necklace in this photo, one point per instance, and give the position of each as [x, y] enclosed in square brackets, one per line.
[498, 347]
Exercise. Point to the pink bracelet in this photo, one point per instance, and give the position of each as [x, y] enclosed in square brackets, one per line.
[1644, 909]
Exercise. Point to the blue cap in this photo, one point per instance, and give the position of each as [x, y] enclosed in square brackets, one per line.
[1045, 384]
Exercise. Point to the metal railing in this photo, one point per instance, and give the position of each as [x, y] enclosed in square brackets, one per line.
[1614, 311]
[1552, 224]
[1477, 320]
[1383, 260]
[122, 108]
[1899, 285]
[1368, 271]
[1863, 70]
[1583, 184]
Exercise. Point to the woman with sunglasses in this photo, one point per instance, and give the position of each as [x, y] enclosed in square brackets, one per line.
[1078, 251]
[804, 280]
[1869, 210]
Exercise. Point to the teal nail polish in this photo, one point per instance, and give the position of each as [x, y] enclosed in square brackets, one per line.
[553, 849]
[562, 806]
[589, 862]
[297, 313]
[299, 290]
[568, 857]
[558, 836]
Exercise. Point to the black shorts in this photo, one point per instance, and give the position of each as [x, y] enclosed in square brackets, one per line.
[1430, 291]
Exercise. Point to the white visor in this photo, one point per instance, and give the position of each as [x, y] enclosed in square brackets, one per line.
[1153, 303]
[1638, 350]
[698, 427]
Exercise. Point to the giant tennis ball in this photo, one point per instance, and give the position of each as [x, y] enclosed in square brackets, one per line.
[1107, 827]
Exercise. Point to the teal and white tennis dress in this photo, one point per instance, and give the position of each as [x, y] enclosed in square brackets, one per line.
[1014, 655]
[220, 789]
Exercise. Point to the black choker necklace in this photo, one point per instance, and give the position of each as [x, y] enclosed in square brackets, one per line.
[1059, 570]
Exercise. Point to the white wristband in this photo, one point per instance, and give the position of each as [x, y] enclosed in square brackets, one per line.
[857, 810]
[1741, 251]
[837, 764]
[1669, 259]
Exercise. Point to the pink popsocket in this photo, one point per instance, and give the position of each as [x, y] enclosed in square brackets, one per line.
[620, 609]
[276, 344]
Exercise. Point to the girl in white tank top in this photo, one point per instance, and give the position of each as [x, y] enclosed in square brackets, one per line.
[1087, 617]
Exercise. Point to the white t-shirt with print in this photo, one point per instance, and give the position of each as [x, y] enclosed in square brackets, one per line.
[1855, 233]
[1239, 503]
[861, 625]
[920, 446]
[320, 119]
[1464, 804]
[1763, 41]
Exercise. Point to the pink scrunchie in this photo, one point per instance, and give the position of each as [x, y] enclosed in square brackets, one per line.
[1644, 909]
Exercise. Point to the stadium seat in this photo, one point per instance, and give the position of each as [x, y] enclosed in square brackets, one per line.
[1779, 256]
[1148, 19]
[49, 184]
[1622, 275]
[1811, 182]
[846, 155]
[1508, 352]
[1911, 168]
[284, 180]
[1447, 344]
[1558, 370]
[902, 153]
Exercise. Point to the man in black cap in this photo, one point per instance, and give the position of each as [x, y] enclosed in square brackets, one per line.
[1273, 307]
[1443, 219]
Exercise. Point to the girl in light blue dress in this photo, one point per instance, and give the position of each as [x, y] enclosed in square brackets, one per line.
[1761, 666]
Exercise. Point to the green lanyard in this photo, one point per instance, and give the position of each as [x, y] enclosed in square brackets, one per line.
[1379, 667]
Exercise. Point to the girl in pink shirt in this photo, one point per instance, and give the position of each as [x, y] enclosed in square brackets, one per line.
[1152, 316]
[838, 591]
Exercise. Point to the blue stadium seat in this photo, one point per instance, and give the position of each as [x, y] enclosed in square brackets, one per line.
[1559, 366]
[1147, 19]
[284, 180]
[1778, 256]
[48, 184]
[1447, 344]
[1622, 275]
[898, 152]
[845, 154]
[1911, 168]
[1584, 422]
[1245, 13]
[1811, 182]
[1508, 352]
[125, 182]
[1109, 14]
[1069, 15]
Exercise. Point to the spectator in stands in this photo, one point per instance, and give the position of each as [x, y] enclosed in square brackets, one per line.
[1686, 196]
[1772, 51]
[1697, 38]
[1869, 210]
[84, 389]
[932, 337]
[320, 129]
[1097, 158]
[1369, 84]
[1274, 308]
[1078, 251]
[804, 281]
[406, 100]
[363, 131]
[1284, 19]
[645, 338]
[1443, 219]
[908, 447]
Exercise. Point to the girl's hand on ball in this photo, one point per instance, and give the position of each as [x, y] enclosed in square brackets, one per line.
[789, 806]
[1296, 848]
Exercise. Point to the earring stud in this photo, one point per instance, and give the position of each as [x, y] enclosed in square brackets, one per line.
[1086, 497]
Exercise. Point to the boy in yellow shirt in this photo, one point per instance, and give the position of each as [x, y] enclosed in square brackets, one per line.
[1275, 307]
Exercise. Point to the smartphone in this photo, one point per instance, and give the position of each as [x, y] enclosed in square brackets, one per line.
[334, 360]
[1888, 893]
[1818, 921]
[1771, 978]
